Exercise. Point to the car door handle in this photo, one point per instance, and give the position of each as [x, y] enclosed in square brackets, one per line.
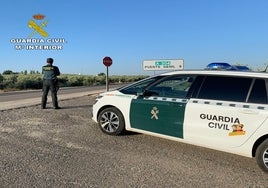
[248, 111]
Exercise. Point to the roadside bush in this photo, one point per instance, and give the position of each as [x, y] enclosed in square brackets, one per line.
[9, 81]
[32, 81]
[1, 81]
[75, 80]
[99, 80]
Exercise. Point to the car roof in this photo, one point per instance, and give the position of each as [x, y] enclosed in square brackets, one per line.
[220, 72]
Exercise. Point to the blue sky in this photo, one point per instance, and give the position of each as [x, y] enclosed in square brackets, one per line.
[130, 31]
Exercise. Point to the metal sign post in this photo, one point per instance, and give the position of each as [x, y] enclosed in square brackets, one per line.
[107, 79]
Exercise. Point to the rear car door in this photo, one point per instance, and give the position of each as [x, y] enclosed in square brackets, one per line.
[225, 111]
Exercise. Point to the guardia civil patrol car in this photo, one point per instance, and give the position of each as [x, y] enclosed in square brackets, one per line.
[222, 110]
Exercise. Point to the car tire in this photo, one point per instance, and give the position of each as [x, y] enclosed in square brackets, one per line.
[262, 155]
[111, 121]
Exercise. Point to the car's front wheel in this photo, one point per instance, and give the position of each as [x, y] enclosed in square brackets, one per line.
[111, 121]
[262, 155]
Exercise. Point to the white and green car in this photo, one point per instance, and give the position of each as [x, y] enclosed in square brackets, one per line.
[222, 110]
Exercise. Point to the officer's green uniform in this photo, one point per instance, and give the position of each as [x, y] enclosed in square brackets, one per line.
[50, 82]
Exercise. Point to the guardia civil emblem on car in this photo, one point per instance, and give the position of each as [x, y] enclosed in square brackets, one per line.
[154, 113]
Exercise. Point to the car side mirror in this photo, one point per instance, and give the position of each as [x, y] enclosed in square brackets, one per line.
[140, 95]
[147, 93]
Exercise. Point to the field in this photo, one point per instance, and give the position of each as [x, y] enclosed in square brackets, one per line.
[23, 81]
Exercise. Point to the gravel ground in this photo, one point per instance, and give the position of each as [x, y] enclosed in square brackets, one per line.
[65, 148]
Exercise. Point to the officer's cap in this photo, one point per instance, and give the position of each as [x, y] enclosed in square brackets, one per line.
[50, 60]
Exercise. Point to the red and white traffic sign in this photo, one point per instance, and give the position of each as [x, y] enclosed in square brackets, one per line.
[107, 61]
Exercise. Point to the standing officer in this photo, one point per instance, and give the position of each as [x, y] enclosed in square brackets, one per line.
[50, 82]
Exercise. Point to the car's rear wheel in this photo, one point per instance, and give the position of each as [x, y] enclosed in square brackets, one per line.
[262, 155]
[111, 121]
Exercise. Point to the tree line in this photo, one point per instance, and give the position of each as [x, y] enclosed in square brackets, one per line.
[33, 80]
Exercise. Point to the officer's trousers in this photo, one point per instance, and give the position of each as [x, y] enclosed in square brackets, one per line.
[52, 86]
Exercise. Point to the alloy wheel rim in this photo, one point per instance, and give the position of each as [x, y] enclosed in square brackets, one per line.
[265, 157]
[109, 122]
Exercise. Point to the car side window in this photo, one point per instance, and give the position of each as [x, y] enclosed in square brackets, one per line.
[258, 93]
[225, 88]
[172, 87]
[139, 86]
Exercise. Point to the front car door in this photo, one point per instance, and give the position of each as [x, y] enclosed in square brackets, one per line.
[161, 108]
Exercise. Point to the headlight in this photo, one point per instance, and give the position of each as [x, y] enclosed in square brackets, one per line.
[97, 98]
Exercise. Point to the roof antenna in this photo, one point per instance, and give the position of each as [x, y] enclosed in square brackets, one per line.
[265, 70]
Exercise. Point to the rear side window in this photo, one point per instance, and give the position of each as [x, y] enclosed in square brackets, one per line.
[258, 93]
[225, 88]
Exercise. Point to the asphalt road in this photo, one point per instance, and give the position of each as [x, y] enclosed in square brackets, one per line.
[29, 94]
[19, 99]
[65, 148]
